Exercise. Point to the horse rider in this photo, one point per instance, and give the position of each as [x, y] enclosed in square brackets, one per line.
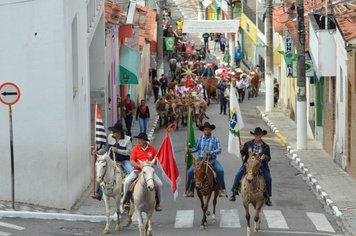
[210, 145]
[121, 146]
[143, 151]
[258, 148]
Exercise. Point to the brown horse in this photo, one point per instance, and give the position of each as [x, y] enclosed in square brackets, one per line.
[252, 190]
[205, 184]
[210, 87]
[255, 82]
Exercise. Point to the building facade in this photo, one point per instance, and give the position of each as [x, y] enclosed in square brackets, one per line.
[54, 56]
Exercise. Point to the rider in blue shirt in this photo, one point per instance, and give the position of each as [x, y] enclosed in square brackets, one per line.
[209, 144]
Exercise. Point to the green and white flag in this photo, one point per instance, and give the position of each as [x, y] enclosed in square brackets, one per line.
[169, 43]
[191, 141]
[236, 123]
[129, 65]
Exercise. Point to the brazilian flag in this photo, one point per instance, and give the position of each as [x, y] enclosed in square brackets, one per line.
[191, 141]
[170, 43]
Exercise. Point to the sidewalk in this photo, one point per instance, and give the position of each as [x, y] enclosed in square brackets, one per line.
[87, 208]
[333, 186]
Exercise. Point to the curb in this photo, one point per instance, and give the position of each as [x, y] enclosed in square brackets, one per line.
[54, 216]
[68, 216]
[292, 154]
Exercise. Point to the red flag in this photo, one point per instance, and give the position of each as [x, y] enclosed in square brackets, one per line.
[168, 163]
[188, 81]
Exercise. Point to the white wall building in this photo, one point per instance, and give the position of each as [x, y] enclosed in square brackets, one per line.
[54, 51]
[342, 71]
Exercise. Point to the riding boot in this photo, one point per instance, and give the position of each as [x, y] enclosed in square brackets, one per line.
[268, 201]
[158, 207]
[127, 198]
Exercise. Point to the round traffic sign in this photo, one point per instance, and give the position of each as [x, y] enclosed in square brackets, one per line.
[9, 93]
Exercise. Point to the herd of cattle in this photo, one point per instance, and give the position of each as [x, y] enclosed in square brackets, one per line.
[174, 107]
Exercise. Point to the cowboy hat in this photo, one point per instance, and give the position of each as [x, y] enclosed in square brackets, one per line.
[258, 131]
[117, 128]
[238, 70]
[142, 136]
[207, 125]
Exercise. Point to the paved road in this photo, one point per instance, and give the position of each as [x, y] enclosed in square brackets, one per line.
[295, 209]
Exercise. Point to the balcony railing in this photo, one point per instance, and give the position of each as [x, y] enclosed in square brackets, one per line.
[250, 13]
[93, 8]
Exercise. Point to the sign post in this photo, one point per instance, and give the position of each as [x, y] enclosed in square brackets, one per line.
[9, 95]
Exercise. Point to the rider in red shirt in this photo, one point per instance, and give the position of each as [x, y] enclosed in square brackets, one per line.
[143, 151]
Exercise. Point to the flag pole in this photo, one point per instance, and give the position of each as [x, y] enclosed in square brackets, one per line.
[94, 151]
[186, 159]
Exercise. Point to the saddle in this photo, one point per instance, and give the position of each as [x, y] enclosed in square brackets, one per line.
[131, 189]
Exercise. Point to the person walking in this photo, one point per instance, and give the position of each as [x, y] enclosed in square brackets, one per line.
[241, 86]
[238, 56]
[222, 88]
[217, 41]
[143, 115]
[155, 87]
[164, 84]
[222, 43]
[206, 40]
[128, 108]
[227, 57]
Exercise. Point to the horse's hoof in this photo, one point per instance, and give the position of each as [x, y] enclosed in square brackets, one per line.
[149, 233]
[128, 223]
[207, 213]
[202, 227]
[248, 231]
[106, 231]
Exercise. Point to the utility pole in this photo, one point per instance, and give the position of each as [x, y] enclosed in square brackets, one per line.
[232, 35]
[160, 68]
[301, 81]
[269, 58]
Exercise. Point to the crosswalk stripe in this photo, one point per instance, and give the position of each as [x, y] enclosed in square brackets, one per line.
[4, 233]
[184, 219]
[11, 226]
[320, 222]
[275, 219]
[229, 218]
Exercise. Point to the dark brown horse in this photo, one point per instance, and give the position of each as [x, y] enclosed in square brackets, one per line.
[252, 191]
[205, 184]
[255, 82]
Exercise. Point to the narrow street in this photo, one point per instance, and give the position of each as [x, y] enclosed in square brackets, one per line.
[295, 209]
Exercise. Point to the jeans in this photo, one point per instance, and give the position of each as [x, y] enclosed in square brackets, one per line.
[237, 63]
[143, 124]
[241, 94]
[133, 175]
[206, 44]
[163, 90]
[266, 175]
[127, 166]
[128, 123]
[155, 93]
[222, 105]
[217, 167]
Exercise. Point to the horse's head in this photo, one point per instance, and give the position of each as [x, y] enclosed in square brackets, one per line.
[199, 173]
[253, 167]
[101, 165]
[147, 173]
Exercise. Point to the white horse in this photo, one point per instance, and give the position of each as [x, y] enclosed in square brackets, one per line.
[109, 178]
[144, 198]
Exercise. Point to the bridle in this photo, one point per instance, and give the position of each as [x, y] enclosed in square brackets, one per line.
[144, 183]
